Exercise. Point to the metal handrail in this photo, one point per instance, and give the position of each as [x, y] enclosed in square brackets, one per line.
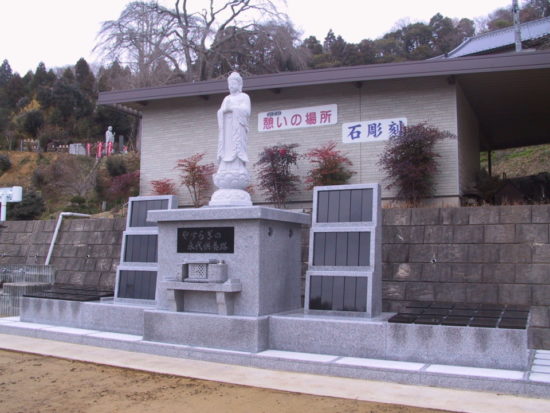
[56, 232]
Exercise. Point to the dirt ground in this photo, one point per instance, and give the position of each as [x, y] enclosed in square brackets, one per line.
[37, 384]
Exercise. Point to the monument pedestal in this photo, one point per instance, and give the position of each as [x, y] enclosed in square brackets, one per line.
[231, 186]
[239, 333]
[261, 248]
[229, 196]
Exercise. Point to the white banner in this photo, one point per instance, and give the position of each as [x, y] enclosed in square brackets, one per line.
[372, 130]
[297, 118]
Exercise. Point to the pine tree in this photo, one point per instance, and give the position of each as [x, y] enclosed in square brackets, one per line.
[6, 73]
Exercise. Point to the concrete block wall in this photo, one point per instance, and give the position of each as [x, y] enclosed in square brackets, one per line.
[495, 255]
[87, 251]
[477, 254]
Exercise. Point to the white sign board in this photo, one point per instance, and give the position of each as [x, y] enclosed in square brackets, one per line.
[13, 194]
[372, 130]
[297, 118]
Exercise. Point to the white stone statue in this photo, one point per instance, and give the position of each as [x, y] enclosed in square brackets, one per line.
[232, 176]
[109, 135]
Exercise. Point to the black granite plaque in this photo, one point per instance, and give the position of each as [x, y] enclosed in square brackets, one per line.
[489, 313]
[411, 311]
[484, 322]
[455, 321]
[515, 314]
[435, 311]
[403, 318]
[515, 323]
[462, 313]
[218, 240]
[428, 319]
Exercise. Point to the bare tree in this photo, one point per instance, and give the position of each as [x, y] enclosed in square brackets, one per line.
[204, 35]
[67, 176]
[10, 139]
[142, 39]
[503, 17]
[268, 48]
[159, 43]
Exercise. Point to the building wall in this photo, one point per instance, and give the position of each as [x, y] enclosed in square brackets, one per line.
[468, 142]
[177, 128]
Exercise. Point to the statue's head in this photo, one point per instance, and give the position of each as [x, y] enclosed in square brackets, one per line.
[235, 82]
[110, 128]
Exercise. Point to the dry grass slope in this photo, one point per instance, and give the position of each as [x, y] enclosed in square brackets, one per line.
[529, 160]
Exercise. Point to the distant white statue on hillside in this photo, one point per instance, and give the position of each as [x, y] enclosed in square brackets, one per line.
[233, 120]
[109, 135]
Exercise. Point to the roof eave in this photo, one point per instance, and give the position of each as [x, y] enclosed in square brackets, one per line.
[425, 68]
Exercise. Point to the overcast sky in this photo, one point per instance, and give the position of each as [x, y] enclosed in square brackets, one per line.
[59, 32]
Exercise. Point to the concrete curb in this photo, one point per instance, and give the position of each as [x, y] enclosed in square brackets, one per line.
[296, 372]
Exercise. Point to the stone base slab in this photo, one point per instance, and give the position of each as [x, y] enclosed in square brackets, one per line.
[104, 316]
[376, 338]
[208, 330]
[339, 336]
[519, 382]
[466, 346]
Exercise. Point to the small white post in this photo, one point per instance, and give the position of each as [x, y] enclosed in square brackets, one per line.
[4, 201]
[517, 28]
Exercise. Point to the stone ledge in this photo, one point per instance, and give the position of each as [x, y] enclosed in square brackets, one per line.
[231, 286]
[229, 213]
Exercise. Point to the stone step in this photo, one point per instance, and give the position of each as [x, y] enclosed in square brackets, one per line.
[12, 294]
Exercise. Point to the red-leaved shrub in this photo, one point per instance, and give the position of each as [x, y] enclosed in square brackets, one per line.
[409, 161]
[124, 186]
[196, 177]
[164, 187]
[330, 166]
[276, 179]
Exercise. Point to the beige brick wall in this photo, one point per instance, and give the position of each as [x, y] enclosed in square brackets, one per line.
[177, 128]
[468, 142]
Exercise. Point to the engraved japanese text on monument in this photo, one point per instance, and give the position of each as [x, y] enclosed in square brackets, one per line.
[206, 240]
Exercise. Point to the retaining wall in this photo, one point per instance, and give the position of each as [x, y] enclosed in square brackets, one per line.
[87, 251]
[479, 254]
[495, 255]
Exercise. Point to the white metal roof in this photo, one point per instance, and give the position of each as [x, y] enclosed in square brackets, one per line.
[501, 38]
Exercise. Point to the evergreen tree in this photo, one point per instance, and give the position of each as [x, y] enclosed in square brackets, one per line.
[32, 121]
[85, 78]
[42, 77]
[5, 73]
[313, 45]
